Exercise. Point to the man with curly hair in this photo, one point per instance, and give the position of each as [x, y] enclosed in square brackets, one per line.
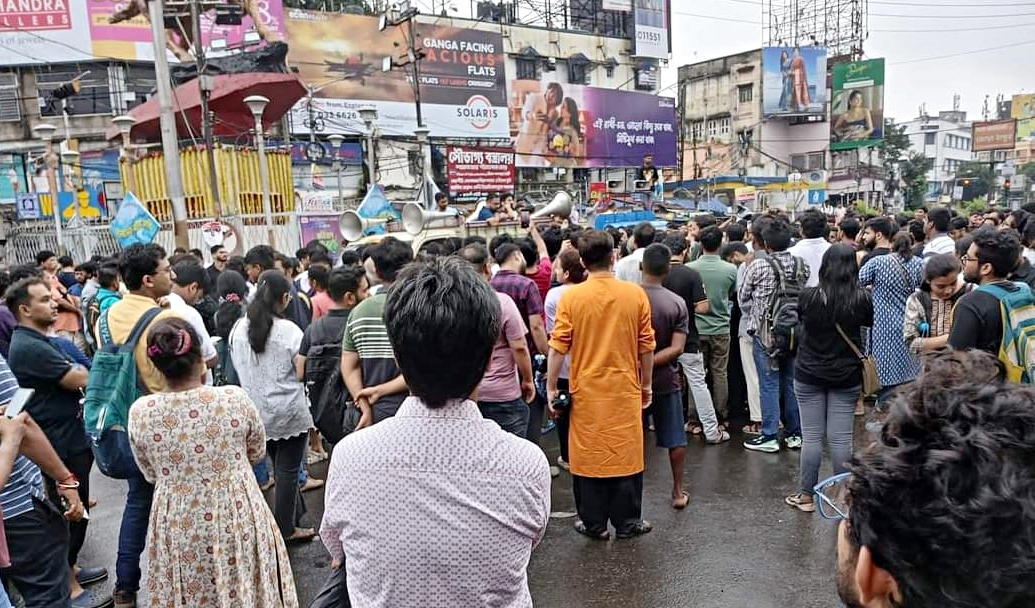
[941, 507]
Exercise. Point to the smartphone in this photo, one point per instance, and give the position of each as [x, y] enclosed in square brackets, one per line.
[18, 402]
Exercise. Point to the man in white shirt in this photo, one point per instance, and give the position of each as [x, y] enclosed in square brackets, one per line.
[628, 268]
[477, 498]
[814, 243]
[188, 287]
[939, 221]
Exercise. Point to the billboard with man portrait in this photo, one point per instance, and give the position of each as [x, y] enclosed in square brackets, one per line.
[857, 108]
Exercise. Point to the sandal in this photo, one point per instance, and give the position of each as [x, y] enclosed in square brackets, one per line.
[638, 529]
[583, 530]
[301, 535]
[753, 428]
[722, 437]
[680, 503]
[693, 428]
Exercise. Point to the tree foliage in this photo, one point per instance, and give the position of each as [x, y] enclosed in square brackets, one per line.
[913, 172]
[894, 145]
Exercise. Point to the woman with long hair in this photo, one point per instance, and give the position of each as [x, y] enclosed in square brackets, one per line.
[827, 372]
[929, 309]
[568, 272]
[892, 278]
[263, 346]
[212, 540]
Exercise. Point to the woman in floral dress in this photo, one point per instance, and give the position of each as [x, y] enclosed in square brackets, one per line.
[212, 540]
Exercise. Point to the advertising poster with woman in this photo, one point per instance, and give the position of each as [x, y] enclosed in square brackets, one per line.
[857, 111]
[794, 80]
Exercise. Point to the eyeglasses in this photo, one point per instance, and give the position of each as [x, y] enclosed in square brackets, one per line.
[833, 497]
[967, 258]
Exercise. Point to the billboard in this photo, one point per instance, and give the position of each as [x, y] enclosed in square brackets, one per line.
[567, 125]
[473, 173]
[993, 135]
[63, 31]
[462, 89]
[794, 81]
[857, 105]
[651, 25]
[616, 5]
[1023, 109]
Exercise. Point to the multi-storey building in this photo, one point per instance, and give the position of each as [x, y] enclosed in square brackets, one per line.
[945, 139]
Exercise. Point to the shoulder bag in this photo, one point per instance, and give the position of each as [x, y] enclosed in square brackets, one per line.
[870, 380]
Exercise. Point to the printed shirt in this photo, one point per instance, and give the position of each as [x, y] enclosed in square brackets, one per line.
[525, 293]
[25, 481]
[477, 501]
[760, 285]
[367, 336]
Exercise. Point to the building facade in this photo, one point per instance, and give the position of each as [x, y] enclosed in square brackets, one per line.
[945, 139]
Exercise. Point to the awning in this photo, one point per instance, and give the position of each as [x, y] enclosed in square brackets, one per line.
[232, 116]
[579, 59]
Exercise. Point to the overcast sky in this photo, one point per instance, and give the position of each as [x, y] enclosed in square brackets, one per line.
[940, 53]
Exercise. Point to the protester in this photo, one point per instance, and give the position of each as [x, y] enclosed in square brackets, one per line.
[977, 318]
[570, 271]
[813, 243]
[940, 508]
[437, 456]
[628, 268]
[263, 347]
[929, 310]
[605, 324]
[187, 289]
[237, 554]
[827, 370]
[939, 222]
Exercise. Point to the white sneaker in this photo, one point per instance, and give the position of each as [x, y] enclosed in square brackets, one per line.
[563, 463]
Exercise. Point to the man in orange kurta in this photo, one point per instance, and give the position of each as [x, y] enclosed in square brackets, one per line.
[605, 324]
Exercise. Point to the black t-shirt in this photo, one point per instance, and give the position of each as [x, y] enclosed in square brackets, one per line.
[977, 321]
[687, 283]
[40, 365]
[824, 359]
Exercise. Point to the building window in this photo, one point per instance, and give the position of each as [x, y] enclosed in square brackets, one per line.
[929, 139]
[697, 131]
[94, 95]
[139, 84]
[577, 73]
[526, 69]
[745, 93]
[724, 126]
[10, 104]
[713, 128]
[813, 161]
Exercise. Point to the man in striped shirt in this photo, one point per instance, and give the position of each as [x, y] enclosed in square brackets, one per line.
[367, 361]
[36, 534]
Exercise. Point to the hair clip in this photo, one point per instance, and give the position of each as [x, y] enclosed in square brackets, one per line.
[185, 343]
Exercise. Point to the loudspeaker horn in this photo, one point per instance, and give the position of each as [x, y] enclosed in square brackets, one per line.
[415, 217]
[352, 225]
[559, 205]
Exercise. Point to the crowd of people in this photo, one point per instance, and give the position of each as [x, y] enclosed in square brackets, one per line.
[429, 377]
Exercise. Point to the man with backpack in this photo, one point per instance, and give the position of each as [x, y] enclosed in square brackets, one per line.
[148, 276]
[319, 356]
[978, 316]
[770, 289]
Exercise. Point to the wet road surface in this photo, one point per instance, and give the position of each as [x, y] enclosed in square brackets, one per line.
[736, 544]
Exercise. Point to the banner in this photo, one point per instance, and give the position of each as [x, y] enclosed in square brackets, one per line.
[993, 135]
[131, 40]
[1023, 109]
[322, 228]
[567, 125]
[473, 173]
[617, 5]
[13, 177]
[462, 84]
[794, 81]
[133, 223]
[857, 113]
[34, 33]
[651, 28]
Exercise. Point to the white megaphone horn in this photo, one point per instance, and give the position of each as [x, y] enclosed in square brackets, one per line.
[560, 205]
[352, 225]
[415, 217]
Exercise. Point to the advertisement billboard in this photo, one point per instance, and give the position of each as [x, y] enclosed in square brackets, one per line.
[794, 81]
[616, 5]
[63, 31]
[651, 28]
[473, 173]
[322, 228]
[857, 108]
[1023, 109]
[993, 135]
[567, 125]
[462, 90]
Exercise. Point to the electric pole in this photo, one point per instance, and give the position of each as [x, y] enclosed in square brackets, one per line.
[205, 86]
[170, 145]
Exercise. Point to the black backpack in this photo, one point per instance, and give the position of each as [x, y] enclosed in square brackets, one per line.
[334, 414]
[782, 316]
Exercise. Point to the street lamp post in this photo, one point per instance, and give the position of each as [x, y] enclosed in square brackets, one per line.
[69, 159]
[125, 125]
[257, 104]
[369, 116]
[46, 132]
[795, 179]
[336, 140]
[425, 154]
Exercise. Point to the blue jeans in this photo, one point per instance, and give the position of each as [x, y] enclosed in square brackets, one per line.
[772, 383]
[133, 533]
[512, 416]
[262, 473]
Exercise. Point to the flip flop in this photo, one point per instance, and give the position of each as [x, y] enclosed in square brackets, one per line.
[680, 503]
[581, 528]
[301, 535]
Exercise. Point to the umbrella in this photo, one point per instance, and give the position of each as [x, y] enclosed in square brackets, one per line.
[226, 102]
